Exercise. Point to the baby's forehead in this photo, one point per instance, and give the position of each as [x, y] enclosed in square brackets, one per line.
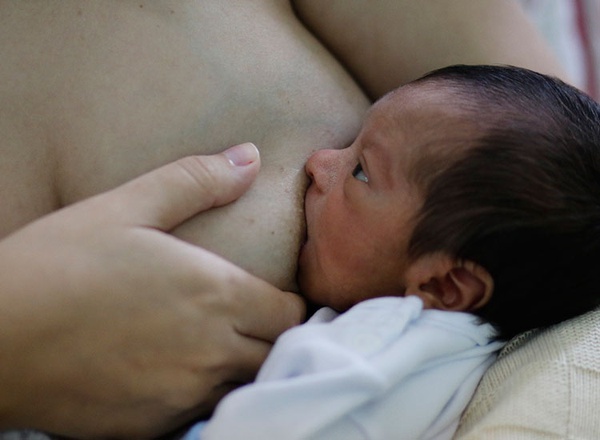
[432, 124]
[427, 112]
[431, 95]
[423, 110]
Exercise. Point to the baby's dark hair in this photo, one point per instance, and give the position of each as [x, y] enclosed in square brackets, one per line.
[523, 200]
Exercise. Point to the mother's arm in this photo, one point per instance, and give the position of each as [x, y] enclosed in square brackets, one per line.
[390, 42]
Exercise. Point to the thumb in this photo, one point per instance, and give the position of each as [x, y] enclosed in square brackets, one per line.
[169, 195]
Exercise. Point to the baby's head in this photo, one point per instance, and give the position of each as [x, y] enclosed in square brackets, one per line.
[476, 188]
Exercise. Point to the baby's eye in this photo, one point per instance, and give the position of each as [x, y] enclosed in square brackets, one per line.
[359, 174]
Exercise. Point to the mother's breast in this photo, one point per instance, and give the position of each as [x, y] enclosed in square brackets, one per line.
[281, 90]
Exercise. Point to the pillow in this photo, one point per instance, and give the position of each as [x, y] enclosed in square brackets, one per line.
[544, 385]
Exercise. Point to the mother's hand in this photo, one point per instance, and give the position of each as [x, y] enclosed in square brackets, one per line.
[110, 327]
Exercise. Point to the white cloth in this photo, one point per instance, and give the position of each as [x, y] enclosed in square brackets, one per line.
[386, 369]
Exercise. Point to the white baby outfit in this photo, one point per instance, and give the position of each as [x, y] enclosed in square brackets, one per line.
[384, 370]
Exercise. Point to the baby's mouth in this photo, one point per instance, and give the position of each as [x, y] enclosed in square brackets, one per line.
[303, 241]
[304, 237]
[305, 234]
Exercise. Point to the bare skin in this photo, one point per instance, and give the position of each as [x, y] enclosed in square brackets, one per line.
[95, 93]
[126, 88]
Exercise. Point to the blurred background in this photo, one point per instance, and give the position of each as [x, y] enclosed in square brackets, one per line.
[572, 27]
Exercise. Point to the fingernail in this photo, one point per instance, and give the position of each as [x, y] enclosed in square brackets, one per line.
[243, 154]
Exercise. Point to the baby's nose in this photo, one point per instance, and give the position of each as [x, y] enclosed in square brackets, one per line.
[321, 167]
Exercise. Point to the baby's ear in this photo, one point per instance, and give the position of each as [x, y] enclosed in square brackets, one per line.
[445, 283]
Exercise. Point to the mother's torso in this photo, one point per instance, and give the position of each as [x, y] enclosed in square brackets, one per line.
[95, 93]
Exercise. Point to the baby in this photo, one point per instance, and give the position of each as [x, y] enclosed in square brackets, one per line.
[475, 188]
[466, 211]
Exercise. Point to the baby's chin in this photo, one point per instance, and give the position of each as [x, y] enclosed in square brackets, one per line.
[314, 284]
[316, 292]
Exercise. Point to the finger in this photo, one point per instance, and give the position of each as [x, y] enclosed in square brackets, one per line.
[168, 196]
[250, 354]
[246, 357]
[266, 312]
